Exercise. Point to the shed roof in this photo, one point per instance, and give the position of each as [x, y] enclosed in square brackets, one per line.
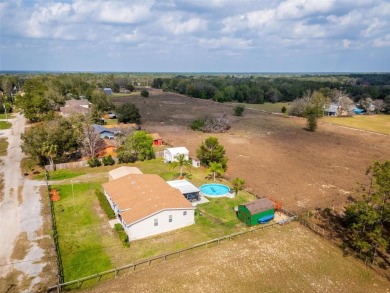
[178, 150]
[184, 186]
[260, 205]
[123, 171]
[141, 195]
[156, 136]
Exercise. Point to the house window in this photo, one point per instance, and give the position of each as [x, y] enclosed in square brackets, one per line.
[170, 218]
[155, 222]
[185, 213]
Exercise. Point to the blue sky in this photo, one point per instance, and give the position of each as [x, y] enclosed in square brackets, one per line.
[196, 36]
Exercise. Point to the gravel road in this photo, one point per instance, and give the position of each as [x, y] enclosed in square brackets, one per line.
[21, 262]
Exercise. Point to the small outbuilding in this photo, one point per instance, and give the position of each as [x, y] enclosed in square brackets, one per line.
[122, 171]
[170, 154]
[157, 139]
[254, 212]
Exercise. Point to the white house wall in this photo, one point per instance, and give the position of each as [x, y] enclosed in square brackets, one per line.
[146, 227]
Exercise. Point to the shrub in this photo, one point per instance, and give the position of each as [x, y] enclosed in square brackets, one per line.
[284, 109]
[124, 238]
[145, 93]
[239, 110]
[197, 124]
[108, 161]
[104, 204]
[94, 162]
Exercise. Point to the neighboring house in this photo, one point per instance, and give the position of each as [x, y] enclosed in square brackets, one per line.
[146, 205]
[332, 110]
[190, 191]
[171, 153]
[157, 140]
[122, 171]
[107, 91]
[107, 150]
[103, 131]
[252, 213]
[75, 107]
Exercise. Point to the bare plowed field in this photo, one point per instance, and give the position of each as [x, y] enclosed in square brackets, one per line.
[274, 154]
[282, 259]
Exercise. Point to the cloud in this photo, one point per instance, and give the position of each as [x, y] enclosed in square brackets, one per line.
[195, 29]
[175, 24]
[225, 43]
[382, 42]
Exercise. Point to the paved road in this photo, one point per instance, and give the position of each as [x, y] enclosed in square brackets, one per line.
[19, 216]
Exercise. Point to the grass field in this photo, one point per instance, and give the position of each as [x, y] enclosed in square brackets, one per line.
[80, 236]
[5, 125]
[3, 146]
[9, 116]
[269, 107]
[375, 123]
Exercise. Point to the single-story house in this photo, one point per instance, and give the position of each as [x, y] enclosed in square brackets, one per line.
[190, 191]
[252, 213]
[157, 140]
[171, 153]
[122, 171]
[146, 205]
[332, 110]
[75, 107]
[103, 131]
[107, 91]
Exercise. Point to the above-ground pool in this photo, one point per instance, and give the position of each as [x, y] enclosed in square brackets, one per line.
[214, 190]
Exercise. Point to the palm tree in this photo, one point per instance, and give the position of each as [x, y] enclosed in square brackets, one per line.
[50, 151]
[238, 184]
[216, 168]
[181, 161]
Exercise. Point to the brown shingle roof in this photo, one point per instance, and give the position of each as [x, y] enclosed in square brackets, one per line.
[260, 205]
[155, 136]
[141, 195]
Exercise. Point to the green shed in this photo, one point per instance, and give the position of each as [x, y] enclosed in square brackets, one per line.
[251, 212]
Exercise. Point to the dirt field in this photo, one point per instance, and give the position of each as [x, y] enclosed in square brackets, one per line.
[263, 262]
[274, 154]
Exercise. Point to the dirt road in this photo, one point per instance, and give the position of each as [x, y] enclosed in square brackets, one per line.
[21, 262]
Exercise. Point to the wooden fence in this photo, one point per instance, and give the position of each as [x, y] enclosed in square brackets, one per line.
[163, 257]
[71, 165]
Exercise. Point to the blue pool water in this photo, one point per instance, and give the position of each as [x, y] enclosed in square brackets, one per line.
[214, 190]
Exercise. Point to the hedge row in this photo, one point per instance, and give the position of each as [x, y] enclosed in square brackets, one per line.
[104, 204]
[122, 234]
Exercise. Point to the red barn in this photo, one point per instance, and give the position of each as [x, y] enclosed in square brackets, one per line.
[157, 140]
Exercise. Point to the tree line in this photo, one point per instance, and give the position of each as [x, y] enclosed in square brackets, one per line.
[260, 89]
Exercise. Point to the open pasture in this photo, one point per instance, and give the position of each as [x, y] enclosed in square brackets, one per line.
[273, 153]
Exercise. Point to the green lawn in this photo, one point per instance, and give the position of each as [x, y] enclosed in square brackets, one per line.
[5, 125]
[79, 229]
[3, 146]
[375, 123]
[9, 116]
[60, 174]
[269, 107]
[112, 121]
